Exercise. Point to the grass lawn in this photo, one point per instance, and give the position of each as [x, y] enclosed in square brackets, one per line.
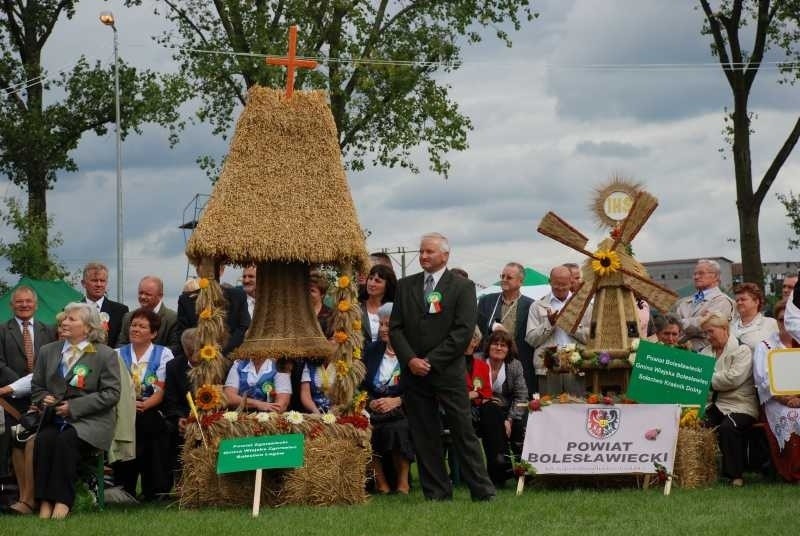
[758, 508]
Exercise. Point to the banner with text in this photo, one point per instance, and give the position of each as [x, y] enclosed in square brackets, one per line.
[666, 375]
[260, 452]
[583, 439]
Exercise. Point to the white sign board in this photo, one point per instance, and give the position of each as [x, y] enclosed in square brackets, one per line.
[784, 371]
[585, 439]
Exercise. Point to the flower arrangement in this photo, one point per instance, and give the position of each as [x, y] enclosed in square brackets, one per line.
[346, 325]
[209, 352]
[521, 468]
[605, 262]
[329, 418]
[357, 421]
[208, 397]
[690, 418]
[293, 417]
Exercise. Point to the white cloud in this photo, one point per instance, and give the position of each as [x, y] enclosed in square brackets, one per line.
[545, 137]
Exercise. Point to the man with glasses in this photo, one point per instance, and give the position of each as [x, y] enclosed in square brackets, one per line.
[508, 311]
[708, 299]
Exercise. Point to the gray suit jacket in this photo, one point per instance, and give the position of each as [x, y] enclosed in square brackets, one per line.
[92, 408]
[12, 354]
[168, 334]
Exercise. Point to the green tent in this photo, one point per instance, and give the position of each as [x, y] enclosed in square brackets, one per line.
[52, 297]
[532, 278]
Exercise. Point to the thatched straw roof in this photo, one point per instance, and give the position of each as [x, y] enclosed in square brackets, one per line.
[283, 194]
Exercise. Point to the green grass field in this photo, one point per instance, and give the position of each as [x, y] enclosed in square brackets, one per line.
[758, 508]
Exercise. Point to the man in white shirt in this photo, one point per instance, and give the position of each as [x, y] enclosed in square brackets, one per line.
[542, 333]
[249, 286]
[95, 284]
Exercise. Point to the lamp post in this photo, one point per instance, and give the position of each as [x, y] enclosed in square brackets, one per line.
[107, 18]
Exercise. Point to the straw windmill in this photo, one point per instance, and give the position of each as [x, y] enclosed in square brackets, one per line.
[282, 202]
[611, 276]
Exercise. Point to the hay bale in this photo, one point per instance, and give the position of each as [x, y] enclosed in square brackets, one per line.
[696, 457]
[334, 473]
[282, 195]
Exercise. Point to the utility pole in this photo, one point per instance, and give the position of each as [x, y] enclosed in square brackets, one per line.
[402, 251]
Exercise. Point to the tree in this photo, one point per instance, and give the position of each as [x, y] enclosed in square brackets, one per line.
[792, 205]
[382, 58]
[36, 138]
[26, 255]
[773, 23]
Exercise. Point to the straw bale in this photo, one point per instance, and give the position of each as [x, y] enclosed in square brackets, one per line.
[334, 472]
[696, 457]
[282, 195]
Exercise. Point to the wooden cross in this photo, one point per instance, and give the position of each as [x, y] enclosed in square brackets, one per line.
[291, 62]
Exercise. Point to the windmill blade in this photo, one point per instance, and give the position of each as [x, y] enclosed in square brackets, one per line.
[656, 295]
[643, 205]
[570, 316]
[559, 230]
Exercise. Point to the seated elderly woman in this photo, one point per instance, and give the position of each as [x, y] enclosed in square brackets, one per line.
[734, 407]
[500, 423]
[390, 436]
[782, 412]
[77, 385]
[146, 363]
[667, 329]
[259, 381]
[748, 324]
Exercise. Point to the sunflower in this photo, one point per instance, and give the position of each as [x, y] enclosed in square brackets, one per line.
[359, 402]
[340, 337]
[342, 367]
[357, 353]
[343, 282]
[205, 314]
[202, 282]
[343, 306]
[208, 397]
[208, 352]
[605, 262]
[356, 325]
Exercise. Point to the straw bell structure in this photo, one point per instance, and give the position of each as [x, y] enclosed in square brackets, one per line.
[282, 203]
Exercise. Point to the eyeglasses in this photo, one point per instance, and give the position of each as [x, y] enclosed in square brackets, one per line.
[506, 276]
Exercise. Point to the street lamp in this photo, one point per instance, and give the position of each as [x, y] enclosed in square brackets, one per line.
[107, 18]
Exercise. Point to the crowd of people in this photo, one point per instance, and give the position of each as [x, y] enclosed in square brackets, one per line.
[445, 372]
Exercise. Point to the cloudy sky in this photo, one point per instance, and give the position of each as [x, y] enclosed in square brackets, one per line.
[551, 124]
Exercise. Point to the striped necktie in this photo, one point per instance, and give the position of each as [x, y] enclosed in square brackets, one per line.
[428, 285]
[27, 345]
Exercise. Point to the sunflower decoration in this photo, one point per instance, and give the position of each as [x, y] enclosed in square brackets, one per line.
[346, 324]
[209, 397]
[606, 262]
[209, 352]
[211, 330]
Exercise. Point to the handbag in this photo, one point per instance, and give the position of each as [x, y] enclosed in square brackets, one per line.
[30, 422]
[395, 414]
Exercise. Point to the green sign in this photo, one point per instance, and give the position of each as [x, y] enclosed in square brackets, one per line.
[260, 452]
[666, 375]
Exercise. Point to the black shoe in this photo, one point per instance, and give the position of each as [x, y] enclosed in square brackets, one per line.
[484, 498]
